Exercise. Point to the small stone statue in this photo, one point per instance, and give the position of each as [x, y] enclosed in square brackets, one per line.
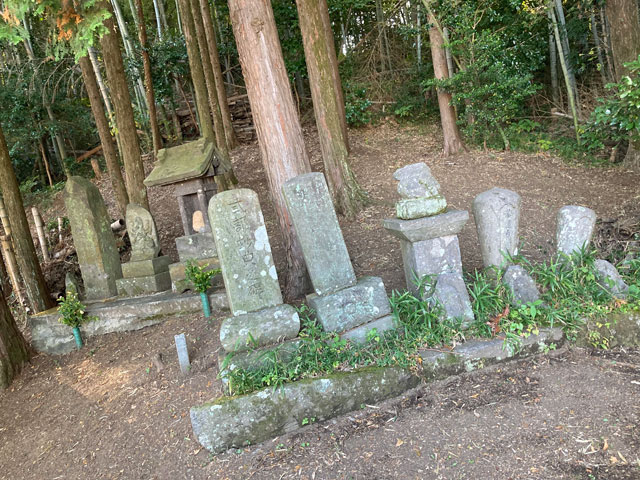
[142, 233]
[419, 192]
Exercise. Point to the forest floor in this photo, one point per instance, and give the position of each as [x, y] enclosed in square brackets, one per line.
[113, 410]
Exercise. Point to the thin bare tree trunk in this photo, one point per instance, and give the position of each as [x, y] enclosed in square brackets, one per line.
[596, 41]
[14, 351]
[133, 167]
[328, 104]
[553, 65]
[102, 125]
[42, 239]
[43, 152]
[565, 51]
[284, 155]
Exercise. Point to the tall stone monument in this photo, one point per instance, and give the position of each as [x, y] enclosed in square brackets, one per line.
[575, 228]
[147, 271]
[91, 229]
[341, 303]
[429, 242]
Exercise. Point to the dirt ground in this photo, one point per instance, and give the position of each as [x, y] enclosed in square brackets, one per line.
[119, 408]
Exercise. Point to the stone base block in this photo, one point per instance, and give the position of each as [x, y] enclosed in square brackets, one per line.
[609, 278]
[179, 282]
[352, 306]
[451, 294]
[410, 208]
[449, 223]
[196, 246]
[144, 268]
[257, 358]
[360, 334]
[430, 257]
[257, 329]
[522, 286]
[130, 287]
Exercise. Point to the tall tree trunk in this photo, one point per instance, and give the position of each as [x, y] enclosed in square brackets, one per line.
[133, 167]
[229, 133]
[102, 125]
[14, 351]
[62, 150]
[553, 66]
[625, 46]
[606, 40]
[565, 51]
[148, 80]
[209, 79]
[35, 285]
[328, 104]
[98, 74]
[452, 139]
[197, 72]
[598, 44]
[284, 155]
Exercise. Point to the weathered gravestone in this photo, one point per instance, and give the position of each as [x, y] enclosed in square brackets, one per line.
[91, 229]
[146, 272]
[523, 287]
[575, 228]
[419, 192]
[609, 278]
[340, 303]
[250, 278]
[497, 214]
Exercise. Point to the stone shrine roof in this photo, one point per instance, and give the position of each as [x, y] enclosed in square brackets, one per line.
[183, 162]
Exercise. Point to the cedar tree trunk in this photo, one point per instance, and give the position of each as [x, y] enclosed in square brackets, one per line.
[284, 155]
[14, 351]
[328, 104]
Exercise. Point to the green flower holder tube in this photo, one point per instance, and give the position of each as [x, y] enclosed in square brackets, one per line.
[205, 305]
[78, 337]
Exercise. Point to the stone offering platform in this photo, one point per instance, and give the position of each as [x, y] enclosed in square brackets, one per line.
[48, 335]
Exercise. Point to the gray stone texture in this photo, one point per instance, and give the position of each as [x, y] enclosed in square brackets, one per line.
[497, 214]
[610, 279]
[115, 315]
[574, 229]
[179, 282]
[352, 306]
[92, 236]
[240, 235]
[316, 224]
[451, 294]
[183, 353]
[449, 223]
[415, 181]
[71, 284]
[360, 334]
[522, 286]
[143, 235]
[260, 328]
[430, 257]
[196, 246]
[134, 286]
[144, 268]
[255, 359]
[411, 208]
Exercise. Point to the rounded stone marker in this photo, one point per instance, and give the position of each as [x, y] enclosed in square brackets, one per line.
[575, 228]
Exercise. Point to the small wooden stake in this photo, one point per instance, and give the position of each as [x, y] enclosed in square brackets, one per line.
[41, 236]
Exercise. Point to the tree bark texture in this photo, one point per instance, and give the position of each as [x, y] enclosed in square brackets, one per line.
[625, 33]
[452, 139]
[133, 168]
[14, 351]
[197, 72]
[328, 104]
[210, 31]
[102, 125]
[278, 129]
[34, 283]
[148, 81]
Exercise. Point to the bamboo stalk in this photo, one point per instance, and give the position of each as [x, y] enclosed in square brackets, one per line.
[60, 224]
[12, 266]
[37, 219]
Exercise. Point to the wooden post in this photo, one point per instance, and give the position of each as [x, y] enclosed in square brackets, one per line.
[37, 219]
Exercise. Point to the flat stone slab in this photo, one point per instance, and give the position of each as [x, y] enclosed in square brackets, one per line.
[410, 208]
[196, 246]
[48, 335]
[445, 224]
[430, 257]
[145, 268]
[131, 287]
[179, 282]
[316, 224]
[360, 334]
[575, 228]
[257, 329]
[234, 422]
[522, 286]
[352, 306]
[610, 279]
[189, 160]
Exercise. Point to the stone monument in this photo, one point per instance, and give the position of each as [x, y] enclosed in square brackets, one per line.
[429, 243]
[191, 169]
[341, 303]
[91, 229]
[575, 228]
[147, 271]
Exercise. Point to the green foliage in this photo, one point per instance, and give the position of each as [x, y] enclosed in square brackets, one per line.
[72, 311]
[200, 276]
[357, 106]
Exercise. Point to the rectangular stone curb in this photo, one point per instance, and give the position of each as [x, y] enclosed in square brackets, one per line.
[234, 422]
[48, 335]
[359, 334]
[448, 223]
[130, 287]
[144, 268]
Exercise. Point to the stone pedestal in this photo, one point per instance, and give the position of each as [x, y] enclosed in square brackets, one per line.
[200, 248]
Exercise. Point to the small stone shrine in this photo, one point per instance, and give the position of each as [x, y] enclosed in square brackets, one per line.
[341, 303]
[429, 241]
[147, 271]
[91, 229]
[260, 319]
[191, 169]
